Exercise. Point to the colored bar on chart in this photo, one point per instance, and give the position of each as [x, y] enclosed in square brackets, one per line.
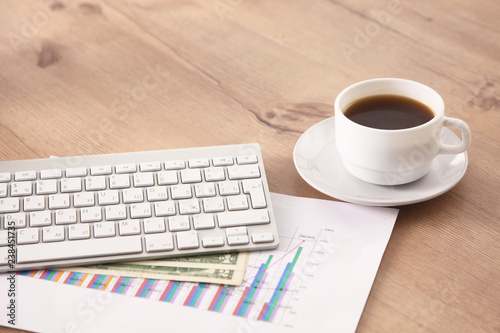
[28, 273]
[280, 299]
[262, 311]
[253, 288]
[99, 282]
[93, 281]
[216, 298]
[194, 295]
[172, 291]
[46, 274]
[58, 276]
[242, 298]
[75, 278]
[165, 291]
[222, 299]
[122, 285]
[191, 293]
[146, 288]
[281, 287]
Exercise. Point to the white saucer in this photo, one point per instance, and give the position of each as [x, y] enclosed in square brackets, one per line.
[318, 162]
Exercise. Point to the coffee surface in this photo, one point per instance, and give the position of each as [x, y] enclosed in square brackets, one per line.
[390, 112]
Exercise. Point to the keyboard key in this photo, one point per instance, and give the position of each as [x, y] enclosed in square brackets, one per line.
[34, 203]
[164, 208]
[214, 174]
[126, 168]
[20, 189]
[167, 178]
[203, 221]
[212, 205]
[243, 218]
[9, 205]
[157, 193]
[133, 195]
[116, 212]
[104, 229]
[229, 188]
[110, 197]
[212, 241]
[204, 190]
[50, 174]
[40, 219]
[65, 216]
[88, 248]
[28, 236]
[76, 172]
[256, 190]
[129, 227]
[4, 256]
[159, 242]
[237, 202]
[51, 234]
[246, 159]
[85, 199]
[238, 240]
[199, 163]
[178, 223]
[180, 192]
[96, 183]
[243, 171]
[25, 175]
[46, 186]
[189, 206]
[4, 238]
[222, 161]
[144, 179]
[119, 181]
[187, 240]
[263, 237]
[190, 176]
[140, 210]
[71, 185]
[150, 166]
[100, 170]
[58, 201]
[154, 225]
[236, 231]
[91, 214]
[4, 177]
[175, 165]
[16, 220]
[3, 190]
[79, 231]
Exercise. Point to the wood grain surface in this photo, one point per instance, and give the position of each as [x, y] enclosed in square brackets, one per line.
[112, 76]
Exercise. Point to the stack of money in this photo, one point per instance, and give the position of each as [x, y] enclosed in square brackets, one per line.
[227, 268]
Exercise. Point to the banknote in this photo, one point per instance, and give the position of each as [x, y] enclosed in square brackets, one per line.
[226, 268]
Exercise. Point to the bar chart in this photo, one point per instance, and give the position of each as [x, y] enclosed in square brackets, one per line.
[271, 283]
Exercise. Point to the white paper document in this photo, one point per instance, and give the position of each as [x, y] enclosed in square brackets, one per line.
[318, 280]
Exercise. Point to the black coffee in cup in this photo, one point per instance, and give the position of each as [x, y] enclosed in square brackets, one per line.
[389, 112]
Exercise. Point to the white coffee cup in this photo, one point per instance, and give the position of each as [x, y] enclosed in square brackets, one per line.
[393, 157]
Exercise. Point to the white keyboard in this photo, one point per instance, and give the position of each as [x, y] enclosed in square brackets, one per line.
[132, 206]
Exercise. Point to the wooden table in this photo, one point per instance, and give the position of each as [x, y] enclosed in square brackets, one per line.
[114, 76]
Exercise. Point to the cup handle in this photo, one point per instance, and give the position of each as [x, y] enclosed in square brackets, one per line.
[466, 137]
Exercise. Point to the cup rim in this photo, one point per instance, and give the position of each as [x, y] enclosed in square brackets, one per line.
[438, 114]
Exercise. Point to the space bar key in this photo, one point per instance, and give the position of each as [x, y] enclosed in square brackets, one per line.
[79, 249]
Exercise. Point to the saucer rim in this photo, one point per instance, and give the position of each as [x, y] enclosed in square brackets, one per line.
[371, 201]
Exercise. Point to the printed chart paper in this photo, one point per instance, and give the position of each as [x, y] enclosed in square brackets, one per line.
[319, 278]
